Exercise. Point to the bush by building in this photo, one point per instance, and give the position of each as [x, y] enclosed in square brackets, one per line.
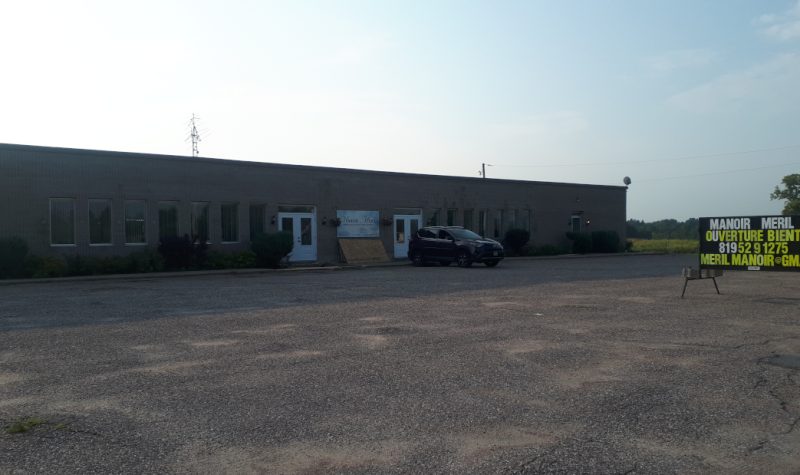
[13, 255]
[271, 248]
[605, 241]
[235, 260]
[581, 242]
[182, 253]
[516, 239]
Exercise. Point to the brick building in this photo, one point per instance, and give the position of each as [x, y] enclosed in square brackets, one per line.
[91, 202]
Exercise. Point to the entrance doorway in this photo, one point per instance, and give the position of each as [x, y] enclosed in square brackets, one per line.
[405, 225]
[303, 227]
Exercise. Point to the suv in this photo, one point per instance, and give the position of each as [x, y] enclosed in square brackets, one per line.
[445, 244]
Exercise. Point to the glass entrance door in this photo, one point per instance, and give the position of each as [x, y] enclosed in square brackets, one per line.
[304, 235]
[405, 225]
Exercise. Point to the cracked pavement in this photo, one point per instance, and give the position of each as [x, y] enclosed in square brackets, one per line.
[537, 366]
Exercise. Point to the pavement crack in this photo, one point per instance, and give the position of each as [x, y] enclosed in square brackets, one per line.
[792, 426]
[759, 446]
[525, 466]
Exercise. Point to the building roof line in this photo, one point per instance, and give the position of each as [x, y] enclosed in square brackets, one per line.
[225, 161]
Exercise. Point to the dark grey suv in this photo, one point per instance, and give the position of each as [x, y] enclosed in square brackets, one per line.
[446, 244]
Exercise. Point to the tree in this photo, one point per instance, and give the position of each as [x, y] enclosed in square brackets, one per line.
[791, 193]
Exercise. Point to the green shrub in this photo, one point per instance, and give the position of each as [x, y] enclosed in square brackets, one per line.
[581, 242]
[271, 248]
[144, 261]
[13, 254]
[233, 260]
[548, 250]
[244, 259]
[81, 265]
[516, 239]
[605, 241]
[42, 267]
[182, 252]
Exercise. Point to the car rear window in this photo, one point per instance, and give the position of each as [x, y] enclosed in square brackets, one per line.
[426, 233]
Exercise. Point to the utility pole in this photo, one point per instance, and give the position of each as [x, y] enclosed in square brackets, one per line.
[483, 169]
[195, 135]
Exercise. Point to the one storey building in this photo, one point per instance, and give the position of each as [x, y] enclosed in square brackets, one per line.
[101, 203]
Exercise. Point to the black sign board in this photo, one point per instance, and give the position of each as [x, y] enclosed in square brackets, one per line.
[761, 243]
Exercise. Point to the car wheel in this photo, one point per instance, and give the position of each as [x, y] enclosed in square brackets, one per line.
[491, 263]
[463, 259]
[417, 259]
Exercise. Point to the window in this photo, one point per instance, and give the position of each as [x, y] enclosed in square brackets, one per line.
[525, 220]
[514, 219]
[258, 220]
[230, 222]
[434, 218]
[482, 222]
[62, 221]
[503, 217]
[200, 221]
[468, 216]
[135, 222]
[575, 223]
[99, 221]
[167, 219]
[498, 222]
[451, 217]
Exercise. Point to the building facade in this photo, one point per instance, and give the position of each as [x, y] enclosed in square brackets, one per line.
[90, 202]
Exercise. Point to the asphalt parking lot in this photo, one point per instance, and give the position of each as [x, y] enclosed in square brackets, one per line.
[591, 365]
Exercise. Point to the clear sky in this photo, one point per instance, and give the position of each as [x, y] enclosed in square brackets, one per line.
[698, 101]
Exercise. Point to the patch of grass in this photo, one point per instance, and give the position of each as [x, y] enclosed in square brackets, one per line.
[24, 425]
[672, 246]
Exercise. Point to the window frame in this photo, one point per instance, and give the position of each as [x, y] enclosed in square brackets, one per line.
[125, 222]
[110, 221]
[468, 223]
[74, 242]
[261, 210]
[483, 216]
[572, 220]
[451, 218]
[235, 217]
[175, 204]
[192, 220]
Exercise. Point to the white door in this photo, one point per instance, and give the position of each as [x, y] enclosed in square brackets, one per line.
[304, 235]
[404, 226]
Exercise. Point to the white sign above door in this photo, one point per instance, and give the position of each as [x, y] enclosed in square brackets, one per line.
[357, 224]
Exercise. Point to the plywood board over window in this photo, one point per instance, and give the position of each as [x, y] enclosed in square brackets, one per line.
[362, 251]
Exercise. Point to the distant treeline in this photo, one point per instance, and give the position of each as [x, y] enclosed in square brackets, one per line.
[664, 229]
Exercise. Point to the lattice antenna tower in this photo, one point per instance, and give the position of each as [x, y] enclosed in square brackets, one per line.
[194, 135]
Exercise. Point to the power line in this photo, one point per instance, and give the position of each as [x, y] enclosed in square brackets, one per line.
[689, 157]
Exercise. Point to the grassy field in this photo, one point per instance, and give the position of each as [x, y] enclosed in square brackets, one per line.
[676, 246]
